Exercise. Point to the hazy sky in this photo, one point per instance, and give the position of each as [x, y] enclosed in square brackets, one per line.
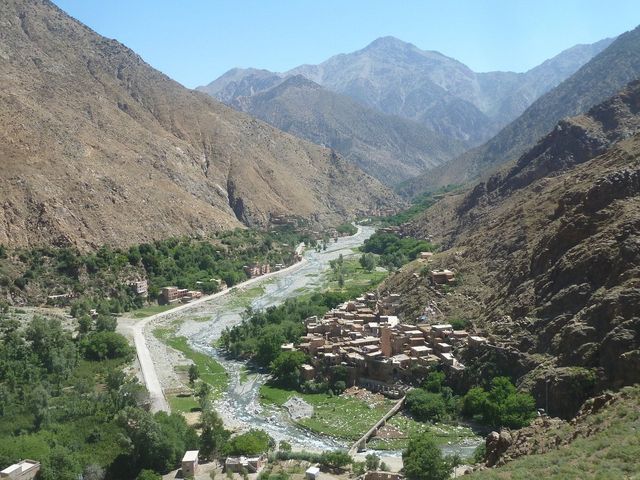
[195, 41]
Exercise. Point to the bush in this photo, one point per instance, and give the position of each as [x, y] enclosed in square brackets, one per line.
[426, 406]
[253, 442]
[102, 345]
[502, 405]
[423, 460]
[335, 459]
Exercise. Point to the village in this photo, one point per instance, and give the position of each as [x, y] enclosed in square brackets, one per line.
[377, 351]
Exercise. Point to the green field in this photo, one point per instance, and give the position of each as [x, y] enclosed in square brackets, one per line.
[355, 277]
[151, 310]
[241, 298]
[442, 433]
[338, 416]
[211, 371]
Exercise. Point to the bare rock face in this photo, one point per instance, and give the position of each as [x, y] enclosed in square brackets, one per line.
[98, 147]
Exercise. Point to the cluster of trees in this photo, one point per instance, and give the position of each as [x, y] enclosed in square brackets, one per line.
[501, 405]
[418, 205]
[423, 460]
[99, 277]
[434, 402]
[393, 250]
[57, 404]
[261, 334]
[347, 229]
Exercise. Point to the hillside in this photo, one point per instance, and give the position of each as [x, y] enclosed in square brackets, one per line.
[548, 258]
[98, 147]
[387, 147]
[601, 77]
[440, 92]
[600, 442]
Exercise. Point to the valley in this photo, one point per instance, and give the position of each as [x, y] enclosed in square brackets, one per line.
[380, 241]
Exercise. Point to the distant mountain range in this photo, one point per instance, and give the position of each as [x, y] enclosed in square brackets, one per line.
[598, 79]
[451, 105]
[388, 147]
[99, 148]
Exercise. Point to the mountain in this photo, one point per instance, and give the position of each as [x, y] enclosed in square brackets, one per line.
[598, 79]
[388, 147]
[548, 255]
[98, 147]
[398, 78]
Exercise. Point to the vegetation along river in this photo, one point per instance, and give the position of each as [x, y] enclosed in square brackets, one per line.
[240, 405]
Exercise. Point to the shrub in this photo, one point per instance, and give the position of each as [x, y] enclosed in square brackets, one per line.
[101, 345]
[253, 442]
[423, 460]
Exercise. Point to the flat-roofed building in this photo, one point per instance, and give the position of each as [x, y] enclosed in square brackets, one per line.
[23, 470]
[190, 464]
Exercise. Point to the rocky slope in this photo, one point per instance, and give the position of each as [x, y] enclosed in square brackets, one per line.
[600, 442]
[398, 78]
[601, 77]
[388, 147]
[98, 147]
[548, 253]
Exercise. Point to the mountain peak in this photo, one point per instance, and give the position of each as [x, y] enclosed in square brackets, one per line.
[388, 43]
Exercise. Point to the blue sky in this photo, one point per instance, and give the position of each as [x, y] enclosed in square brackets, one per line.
[195, 41]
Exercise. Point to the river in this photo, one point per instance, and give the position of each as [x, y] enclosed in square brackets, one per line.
[240, 407]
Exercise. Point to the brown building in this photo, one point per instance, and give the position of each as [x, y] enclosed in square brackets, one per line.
[442, 277]
[169, 295]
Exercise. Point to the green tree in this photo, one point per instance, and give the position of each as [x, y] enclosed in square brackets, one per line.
[423, 460]
[284, 446]
[253, 442]
[368, 262]
[426, 406]
[213, 437]
[372, 461]
[335, 459]
[434, 382]
[106, 323]
[502, 405]
[194, 374]
[103, 345]
[148, 475]
[286, 368]
[38, 405]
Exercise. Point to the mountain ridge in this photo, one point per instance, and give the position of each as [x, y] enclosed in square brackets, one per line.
[594, 82]
[398, 78]
[388, 147]
[99, 147]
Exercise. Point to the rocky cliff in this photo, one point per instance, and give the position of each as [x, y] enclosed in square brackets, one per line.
[98, 147]
[548, 254]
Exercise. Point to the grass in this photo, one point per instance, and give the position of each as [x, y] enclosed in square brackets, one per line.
[211, 371]
[243, 298]
[442, 433]
[183, 404]
[341, 417]
[355, 276]
[611, 452]
[151, 310]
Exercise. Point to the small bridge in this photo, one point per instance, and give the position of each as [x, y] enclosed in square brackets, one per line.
[361, 443]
